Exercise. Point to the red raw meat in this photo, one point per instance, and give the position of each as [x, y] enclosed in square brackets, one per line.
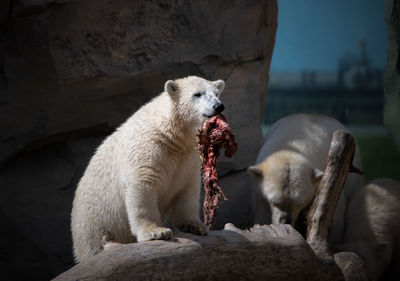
[215, 134]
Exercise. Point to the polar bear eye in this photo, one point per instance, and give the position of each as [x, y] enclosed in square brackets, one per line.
[197, 94]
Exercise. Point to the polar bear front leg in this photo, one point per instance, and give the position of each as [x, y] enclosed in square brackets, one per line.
[144, 214]
[185, 214]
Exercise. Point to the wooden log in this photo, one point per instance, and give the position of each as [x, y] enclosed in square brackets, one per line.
[268, 252]
[339, 164]
[319, 219]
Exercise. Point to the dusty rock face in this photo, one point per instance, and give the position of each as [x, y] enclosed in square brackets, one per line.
[392, 74]
[72, 70]
[272, 252]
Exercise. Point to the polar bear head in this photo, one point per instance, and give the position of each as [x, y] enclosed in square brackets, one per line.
[195, 98]
[287, 183]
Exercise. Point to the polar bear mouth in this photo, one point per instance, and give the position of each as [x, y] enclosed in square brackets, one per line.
[209, 116]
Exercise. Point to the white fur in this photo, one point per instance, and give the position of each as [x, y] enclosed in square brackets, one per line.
[290, 165]
[372, 227]
[147, 170]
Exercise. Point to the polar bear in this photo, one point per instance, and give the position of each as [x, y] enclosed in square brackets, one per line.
[147, 171]
[289, 167]
[372, 227]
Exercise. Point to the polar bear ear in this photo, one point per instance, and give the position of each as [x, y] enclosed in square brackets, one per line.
[317, 174]
[171, 87]
[255, 172]
[220, 84]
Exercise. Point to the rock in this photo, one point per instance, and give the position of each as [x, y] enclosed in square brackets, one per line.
[71, 71]
[238, 189]
[5, 6]
[21, 258]
[80, 64]
[391, 114]
[352, 266]
[37, 191]
[273, 252]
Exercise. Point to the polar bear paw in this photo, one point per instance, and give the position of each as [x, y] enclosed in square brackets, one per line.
[159, 233]
[197, 228]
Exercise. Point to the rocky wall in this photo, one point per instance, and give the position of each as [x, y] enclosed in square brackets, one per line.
[72, 70]
[391, 111]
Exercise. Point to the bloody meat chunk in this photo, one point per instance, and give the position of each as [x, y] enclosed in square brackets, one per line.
[215, 134]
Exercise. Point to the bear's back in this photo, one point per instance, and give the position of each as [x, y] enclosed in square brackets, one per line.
[307, 134]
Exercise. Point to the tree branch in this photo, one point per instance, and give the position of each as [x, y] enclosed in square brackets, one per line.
[319, 219]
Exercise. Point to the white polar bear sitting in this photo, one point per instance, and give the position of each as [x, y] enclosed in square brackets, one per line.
[290, 165]
[372, 228]
[147, 170]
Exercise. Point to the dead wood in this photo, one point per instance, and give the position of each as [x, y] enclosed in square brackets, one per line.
[339, 164]
[319, 219]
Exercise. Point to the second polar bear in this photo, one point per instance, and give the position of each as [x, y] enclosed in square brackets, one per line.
[146, 171]
[290, 165]
[372, 228]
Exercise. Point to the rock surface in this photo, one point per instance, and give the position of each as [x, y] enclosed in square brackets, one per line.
[272, 252]
[73, 70]
[391, 114]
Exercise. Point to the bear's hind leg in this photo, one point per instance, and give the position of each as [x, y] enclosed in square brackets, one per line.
[108, 242]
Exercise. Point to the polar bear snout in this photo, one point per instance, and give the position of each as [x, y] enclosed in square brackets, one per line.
[219, 107]
[284, 218]
[280, 216]
[209, 104]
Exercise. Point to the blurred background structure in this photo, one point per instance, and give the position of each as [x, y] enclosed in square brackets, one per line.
[330, 58]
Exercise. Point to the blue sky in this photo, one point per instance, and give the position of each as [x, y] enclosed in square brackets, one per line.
[314, 34]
